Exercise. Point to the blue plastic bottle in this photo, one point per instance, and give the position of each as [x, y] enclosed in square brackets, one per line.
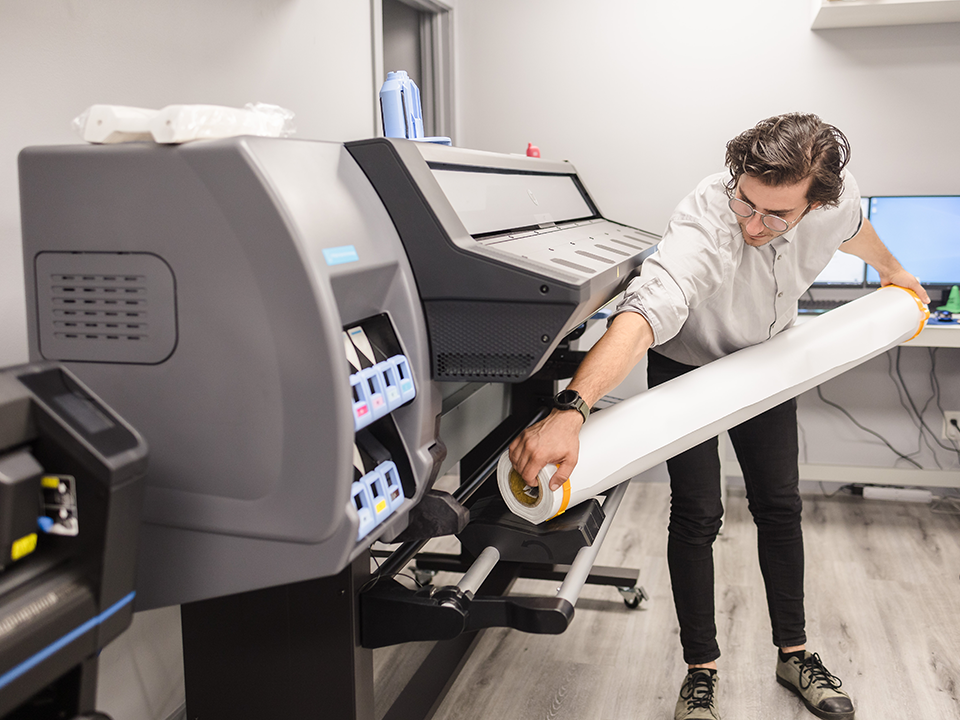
[400, 107]
[401, 111]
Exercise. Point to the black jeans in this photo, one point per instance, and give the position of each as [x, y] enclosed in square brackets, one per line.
[766, 447]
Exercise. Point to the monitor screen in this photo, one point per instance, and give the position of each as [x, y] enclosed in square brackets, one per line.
[923, 233]
[844, 269]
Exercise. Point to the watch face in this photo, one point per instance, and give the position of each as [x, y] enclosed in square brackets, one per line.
[567, 397]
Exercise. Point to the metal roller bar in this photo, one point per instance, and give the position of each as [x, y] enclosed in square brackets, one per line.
[580, 569]
[473, 578]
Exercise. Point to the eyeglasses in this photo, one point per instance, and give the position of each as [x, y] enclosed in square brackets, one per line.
[771, 222]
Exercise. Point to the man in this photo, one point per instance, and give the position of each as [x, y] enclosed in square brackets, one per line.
[736, 256]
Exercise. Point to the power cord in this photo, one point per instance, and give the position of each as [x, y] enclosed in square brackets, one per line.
[893, 370]
[376, 578]
[919, 415]
[843, 488]
[936, 384]
[868, 430]
[900, 388]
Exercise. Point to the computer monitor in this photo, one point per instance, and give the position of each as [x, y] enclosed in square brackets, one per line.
[844, 269]
[923, 233]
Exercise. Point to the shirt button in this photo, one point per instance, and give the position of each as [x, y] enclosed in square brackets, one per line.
[779, 257]
[779, 294]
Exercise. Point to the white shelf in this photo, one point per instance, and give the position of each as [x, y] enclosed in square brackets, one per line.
[870, 13]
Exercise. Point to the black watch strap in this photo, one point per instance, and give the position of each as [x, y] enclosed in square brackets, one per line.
[571, 400]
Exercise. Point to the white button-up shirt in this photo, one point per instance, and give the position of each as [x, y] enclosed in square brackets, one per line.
[706, 293]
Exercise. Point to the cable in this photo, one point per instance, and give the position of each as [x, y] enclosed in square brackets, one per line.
[920, 416]
[926, 406]
[936, 384]
[375, 578]
[868, 430]
[917, 414]
[848, 486]
[903, 404]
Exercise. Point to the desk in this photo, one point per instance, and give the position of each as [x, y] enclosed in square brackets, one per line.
[936, 334]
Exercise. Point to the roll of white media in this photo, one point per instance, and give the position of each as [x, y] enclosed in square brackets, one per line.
[636, 434]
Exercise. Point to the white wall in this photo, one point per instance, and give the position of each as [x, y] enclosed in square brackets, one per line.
[58, 57]
[643, 96]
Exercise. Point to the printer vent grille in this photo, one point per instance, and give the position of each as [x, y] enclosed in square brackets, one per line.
[105, 307]
[483, 366]
[491, 341]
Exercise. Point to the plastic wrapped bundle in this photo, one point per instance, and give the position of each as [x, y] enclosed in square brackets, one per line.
[181, 123]
[103, 124]
[636, 434]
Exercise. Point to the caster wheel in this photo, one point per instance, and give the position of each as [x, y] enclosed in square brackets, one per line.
[424, 577]
[633, 596]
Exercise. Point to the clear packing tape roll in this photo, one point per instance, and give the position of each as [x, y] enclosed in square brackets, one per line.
[649, 428]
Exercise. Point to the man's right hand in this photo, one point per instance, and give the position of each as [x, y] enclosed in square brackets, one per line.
[555, 440]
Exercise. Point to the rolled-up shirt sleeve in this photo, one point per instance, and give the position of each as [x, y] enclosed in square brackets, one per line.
[689, 266]
[661, 303]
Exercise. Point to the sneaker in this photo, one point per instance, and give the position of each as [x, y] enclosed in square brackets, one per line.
[698, 696]
[815, 685]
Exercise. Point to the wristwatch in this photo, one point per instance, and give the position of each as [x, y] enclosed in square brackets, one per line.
[571, 400]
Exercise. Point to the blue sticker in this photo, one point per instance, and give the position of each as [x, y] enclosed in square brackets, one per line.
[340, 255]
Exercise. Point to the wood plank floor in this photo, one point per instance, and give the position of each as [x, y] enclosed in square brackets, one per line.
[883, 611]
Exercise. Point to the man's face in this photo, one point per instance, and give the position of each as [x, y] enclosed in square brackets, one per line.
[785, 201]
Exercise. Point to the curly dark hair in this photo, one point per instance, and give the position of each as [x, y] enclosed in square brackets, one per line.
[786, 149]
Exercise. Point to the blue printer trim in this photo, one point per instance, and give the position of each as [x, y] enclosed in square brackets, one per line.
[58, 645]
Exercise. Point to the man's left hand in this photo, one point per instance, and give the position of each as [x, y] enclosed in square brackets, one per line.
[905, 280]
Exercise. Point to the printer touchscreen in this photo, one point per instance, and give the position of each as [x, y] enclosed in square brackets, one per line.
[495, 202]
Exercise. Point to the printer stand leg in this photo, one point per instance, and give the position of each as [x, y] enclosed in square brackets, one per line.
[289, 652]
[87, 697]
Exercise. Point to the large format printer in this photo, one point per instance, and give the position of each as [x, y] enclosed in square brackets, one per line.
[308, 334]
[71, 485]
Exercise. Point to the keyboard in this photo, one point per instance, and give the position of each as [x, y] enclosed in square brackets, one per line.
[813, 307]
